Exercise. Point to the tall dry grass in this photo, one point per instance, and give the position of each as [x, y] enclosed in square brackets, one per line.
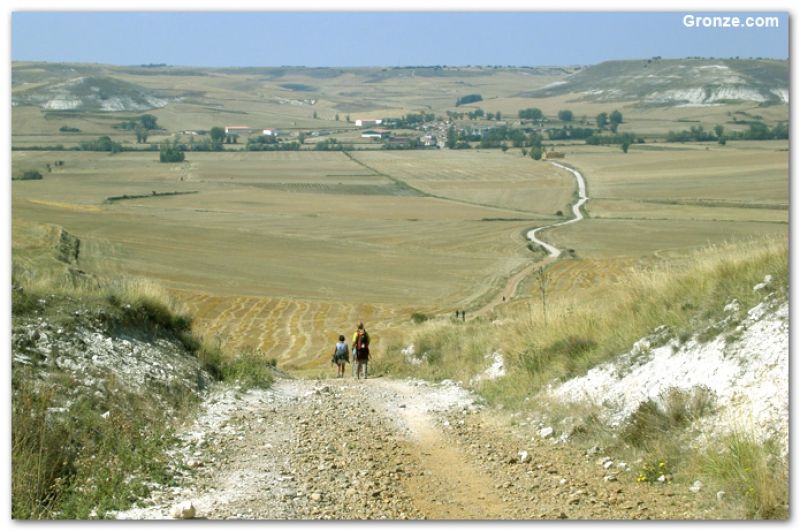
[76, 456]
[575, 335]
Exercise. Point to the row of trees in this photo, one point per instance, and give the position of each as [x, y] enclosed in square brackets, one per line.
[469, 98]
[535, 113]
[103, 143]
[755, 131]
[610, 121]
[569, 132]
[409, 121]
[270, 143]
[141, 125]
[492, 138]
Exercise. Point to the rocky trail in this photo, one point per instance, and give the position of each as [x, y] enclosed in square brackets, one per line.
[390, 449]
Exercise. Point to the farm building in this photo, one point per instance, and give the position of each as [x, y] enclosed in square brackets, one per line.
[270, 132]
[240, 130]
[428, 140]
[368, 123]
[401, 142]
[375, 133]
[553, 155]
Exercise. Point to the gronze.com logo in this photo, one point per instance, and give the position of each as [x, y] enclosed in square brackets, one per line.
[722, 21]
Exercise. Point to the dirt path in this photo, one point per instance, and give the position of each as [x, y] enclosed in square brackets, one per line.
[553, 252]
[387, 449]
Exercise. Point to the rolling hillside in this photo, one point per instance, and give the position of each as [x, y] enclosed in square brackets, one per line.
[90, 93]
[677, 82]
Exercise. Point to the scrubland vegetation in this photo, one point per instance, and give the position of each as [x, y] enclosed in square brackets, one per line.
[76, 454]
[541, 347]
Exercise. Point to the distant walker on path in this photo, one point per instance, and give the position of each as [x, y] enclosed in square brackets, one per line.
[341, 355]
[361, 347]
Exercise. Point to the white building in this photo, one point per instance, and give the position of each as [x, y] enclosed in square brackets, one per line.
[368, 123]
[239, 130]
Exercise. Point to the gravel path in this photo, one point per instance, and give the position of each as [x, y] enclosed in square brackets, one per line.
[387, 449]
[553, 252]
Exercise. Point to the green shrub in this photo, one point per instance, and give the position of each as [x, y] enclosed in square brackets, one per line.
[29, 175]
[249, 369]
[171, 153]
[418, 317]
[755, 472]
[97, 455]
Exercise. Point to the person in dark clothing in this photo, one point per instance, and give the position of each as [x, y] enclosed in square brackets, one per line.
[361, 346]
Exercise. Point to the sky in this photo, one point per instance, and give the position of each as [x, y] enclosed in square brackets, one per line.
[381, 38]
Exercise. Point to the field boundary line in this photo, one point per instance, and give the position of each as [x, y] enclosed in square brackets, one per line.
[422, 193]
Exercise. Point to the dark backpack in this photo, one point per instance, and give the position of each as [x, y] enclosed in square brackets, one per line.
[363, 341]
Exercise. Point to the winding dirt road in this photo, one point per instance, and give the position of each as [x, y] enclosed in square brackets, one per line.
[553, 252]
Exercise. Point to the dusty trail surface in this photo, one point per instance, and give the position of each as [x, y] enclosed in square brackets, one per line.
[387, 449]
[553, 252]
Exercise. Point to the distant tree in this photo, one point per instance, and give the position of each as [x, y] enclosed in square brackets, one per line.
[315, 115]
[565, 116]
[615, 117]
[722, 141]
[531, 114]
[490, 116]
[498, 116]
[347, 118]
[719, 131]
[301, 138]
[524, 152]
[171, 153]
[217, 134]
[625, 145]
[614, 126]
[536, 153]
[602, 120]
[141, 135]
[29, 175]
[451, 137]
[781, 131]
[148, 121]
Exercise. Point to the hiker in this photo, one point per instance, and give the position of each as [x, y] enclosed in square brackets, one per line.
[341, 356]
[361, 346]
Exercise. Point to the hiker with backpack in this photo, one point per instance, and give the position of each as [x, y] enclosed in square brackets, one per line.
[341, 355]
[361, 347]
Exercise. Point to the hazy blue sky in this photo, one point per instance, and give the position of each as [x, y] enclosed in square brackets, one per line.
[386, 38]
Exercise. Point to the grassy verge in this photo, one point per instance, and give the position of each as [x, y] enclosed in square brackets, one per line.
[76, 457]
[77, 454]
[575, 335]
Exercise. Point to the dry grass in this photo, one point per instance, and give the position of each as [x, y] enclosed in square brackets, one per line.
[752, 473]
[576, 334]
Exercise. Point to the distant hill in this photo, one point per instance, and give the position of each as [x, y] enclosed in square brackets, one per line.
[90, 93]
[677, 82]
